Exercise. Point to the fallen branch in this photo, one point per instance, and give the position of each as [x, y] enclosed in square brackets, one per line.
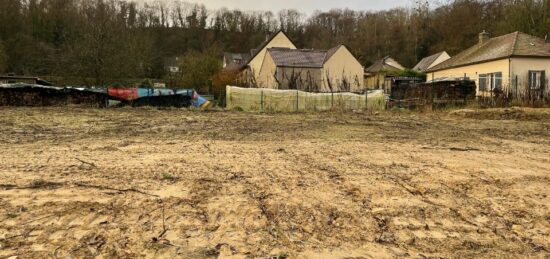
[26, 234]
[459, 149]
[10, 186]
[55, 252]
[84, 162]
[464, 149]
[37, 219]
[36, 184]
[114, 189]
[164, 229]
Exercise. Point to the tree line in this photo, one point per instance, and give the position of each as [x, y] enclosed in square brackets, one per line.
[99, 42]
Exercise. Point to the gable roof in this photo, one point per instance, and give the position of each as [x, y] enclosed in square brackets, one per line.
[257, 50]
[385, 64]
[304, 58]
[516, 44]
[332, 51]
[426, 62]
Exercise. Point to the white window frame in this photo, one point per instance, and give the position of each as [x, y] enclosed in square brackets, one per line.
[490, 80]
[538, 76]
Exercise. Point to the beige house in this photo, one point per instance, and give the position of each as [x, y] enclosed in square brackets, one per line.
[277, 40]
[514, 62]
[379, 74]
[431, 61]
[335, 70]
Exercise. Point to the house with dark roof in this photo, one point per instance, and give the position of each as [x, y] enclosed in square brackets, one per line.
[172, 65]
[257, 56]
[235, 61]
[379, 74]
[516, 62]
[335, 69]
[431, 61]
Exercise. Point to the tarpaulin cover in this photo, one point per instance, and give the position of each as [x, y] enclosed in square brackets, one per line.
[127, 94]
[261, 99]
[131, 94]
[145, 96]
[198, 101]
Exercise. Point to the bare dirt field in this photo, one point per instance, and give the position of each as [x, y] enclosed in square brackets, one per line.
[111, 183]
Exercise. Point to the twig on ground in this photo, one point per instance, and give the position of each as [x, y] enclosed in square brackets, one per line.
[455, 149]
[163, 218]
[20, 235]
[37, 219]
[55, 252]
[464, 149]
[36, 184]
[10, 186]
[164, 229]
[84, 162]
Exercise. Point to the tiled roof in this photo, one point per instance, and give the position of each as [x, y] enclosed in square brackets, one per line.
[509, 45]
[298, 58]
[426, 62]
[285, 57]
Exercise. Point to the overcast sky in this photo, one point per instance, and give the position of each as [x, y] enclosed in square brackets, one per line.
[304, 6]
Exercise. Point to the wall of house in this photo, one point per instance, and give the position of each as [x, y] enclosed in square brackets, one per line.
[279, 41]
[521, 66]
[343, 66]
[266, 77]
[375, 81]
[308, 79]
[473, 72]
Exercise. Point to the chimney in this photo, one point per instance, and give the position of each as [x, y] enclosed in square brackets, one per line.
[484, 37]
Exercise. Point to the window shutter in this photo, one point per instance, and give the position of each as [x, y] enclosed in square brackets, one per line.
[543, 80]
[498, 81]
[531, 79]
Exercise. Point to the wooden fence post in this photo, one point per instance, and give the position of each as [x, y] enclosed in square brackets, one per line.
[432, 92]
[262, 100]
[366, 100]
[297, 104]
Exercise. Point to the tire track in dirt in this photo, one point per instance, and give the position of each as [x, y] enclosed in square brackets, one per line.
[400, 179]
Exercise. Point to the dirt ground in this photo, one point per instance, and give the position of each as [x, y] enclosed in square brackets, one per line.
[165, 183]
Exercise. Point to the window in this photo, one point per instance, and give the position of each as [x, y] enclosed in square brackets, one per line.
[483, 82]
[490, 82]
[536, 80]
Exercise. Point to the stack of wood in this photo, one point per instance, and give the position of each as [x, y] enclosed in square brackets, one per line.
[448, 90]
